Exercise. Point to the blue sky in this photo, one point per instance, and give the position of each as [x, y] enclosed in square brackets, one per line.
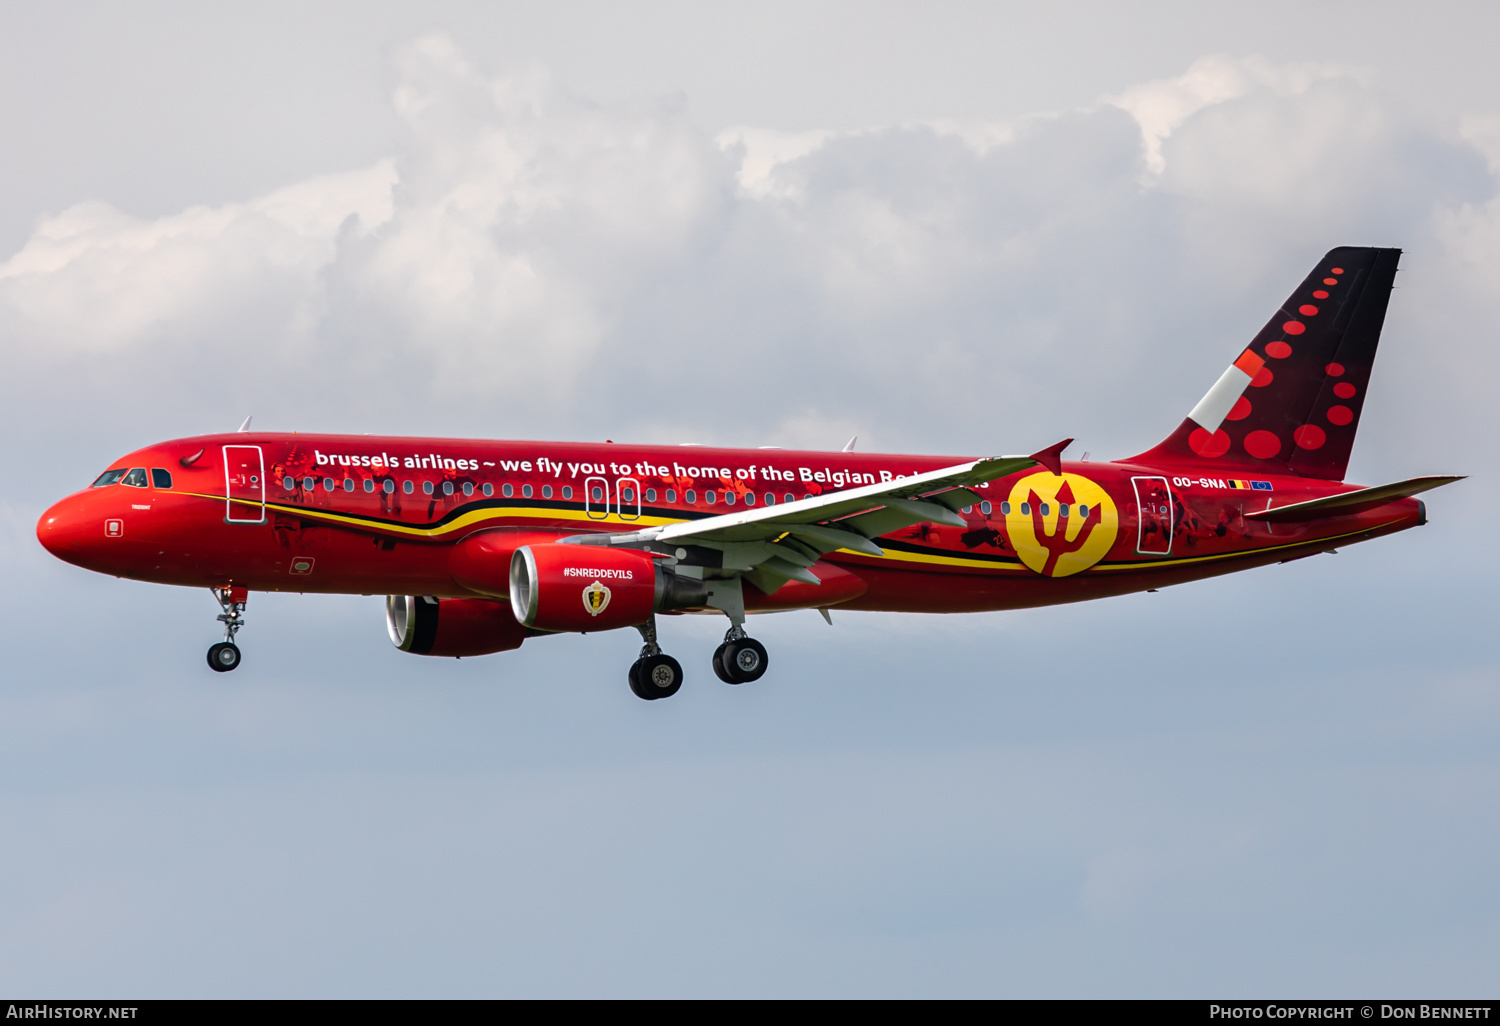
[947, 228]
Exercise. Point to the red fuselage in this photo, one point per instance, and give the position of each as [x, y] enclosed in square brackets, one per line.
[366, 515]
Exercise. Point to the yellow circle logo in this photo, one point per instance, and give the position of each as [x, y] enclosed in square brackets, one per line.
[1060, 525]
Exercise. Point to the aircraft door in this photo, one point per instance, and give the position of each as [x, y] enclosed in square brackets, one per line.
[1154, 501]
[628, 498]
[244, 485]
[596, 498]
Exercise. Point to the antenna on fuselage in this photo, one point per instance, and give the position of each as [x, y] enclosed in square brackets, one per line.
[849, 447]
[246, 426]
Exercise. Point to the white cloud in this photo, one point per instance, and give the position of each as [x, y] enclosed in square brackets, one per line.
[531, 263]
[1160, 107]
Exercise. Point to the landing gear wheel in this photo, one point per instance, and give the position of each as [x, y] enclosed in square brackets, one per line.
[721, 669]
[658, 676]
[741, 661]
[224, 656]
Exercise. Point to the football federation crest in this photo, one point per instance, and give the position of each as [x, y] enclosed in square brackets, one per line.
[596, 598]
[1060, 525]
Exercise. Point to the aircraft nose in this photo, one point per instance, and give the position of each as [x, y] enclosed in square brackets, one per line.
[61, 530]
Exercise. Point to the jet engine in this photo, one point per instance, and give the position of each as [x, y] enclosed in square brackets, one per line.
[555, 587]
[424, 625]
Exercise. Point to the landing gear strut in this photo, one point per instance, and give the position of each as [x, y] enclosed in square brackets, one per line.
[741, 659]
[655, 674]
[225, 656]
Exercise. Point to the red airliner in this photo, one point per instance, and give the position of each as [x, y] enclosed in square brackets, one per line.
[483, 544]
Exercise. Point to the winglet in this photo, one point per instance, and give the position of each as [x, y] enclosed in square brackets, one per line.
[245, 426]
[1051, 457]
[849, 446]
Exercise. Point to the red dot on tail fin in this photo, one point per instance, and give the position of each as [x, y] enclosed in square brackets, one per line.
[1309, 436]
[1294, 327]
[1337, 270]
[1262, 444]
[1240, 411]
[1320, 294]
[1344, 390]
[1262, 378]
[1330, 281]
[1335, 369]
[1208, 445]
[1278, 350]
[1340, 415]
[1307, 310]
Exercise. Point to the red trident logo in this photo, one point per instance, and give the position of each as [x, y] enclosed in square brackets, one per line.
[1060, 524]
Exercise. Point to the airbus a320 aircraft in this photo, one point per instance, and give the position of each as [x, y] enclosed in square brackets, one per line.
[481, 545]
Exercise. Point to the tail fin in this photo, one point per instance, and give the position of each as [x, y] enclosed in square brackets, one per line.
[1290, 403]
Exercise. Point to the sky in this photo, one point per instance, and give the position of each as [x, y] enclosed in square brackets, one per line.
[950, 228]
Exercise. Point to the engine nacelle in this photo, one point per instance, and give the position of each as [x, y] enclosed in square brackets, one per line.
[451, 626]
[592, 588]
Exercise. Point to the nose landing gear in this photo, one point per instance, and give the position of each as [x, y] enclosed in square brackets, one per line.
[225, 656]
[655, 674]
[741, 659]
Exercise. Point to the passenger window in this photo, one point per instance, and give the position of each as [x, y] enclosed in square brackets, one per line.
[526, 491]
[690, 496]
[789, 498]
[671, 494]
[308, 483]
[408, 487]
[1025, 509]
[598, 493]
[290, 484]
[426, 487]
[488, 490]
[749, 498]
[109, 477]
[967, 510]
[546, 491]
[328, 484]
[770, 499]
[627, 494]
[1004, 508]
[506, 490]
[348, 484]
[468, 488]
[1083, 511]
[567, 491]
[447, 487]
[1062, 509]
[161, 478]
[389, 486]
[708, 498]
[1046, 510]
[650, 494]
[136, 478]
[985, 507]
[369, 485]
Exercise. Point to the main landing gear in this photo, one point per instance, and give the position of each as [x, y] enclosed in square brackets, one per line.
[655, 674]
[225, 656]
[741, 659]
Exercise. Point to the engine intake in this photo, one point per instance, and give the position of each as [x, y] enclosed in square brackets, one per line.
[556, 587]
[452, 627]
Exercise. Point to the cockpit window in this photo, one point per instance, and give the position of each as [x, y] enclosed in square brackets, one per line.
[161, 478]
[136, 478]
[109, 477]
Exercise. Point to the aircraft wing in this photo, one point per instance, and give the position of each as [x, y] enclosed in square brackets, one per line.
[774, 544]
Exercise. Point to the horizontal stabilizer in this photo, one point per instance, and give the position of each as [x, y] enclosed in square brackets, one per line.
[1349, 503]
